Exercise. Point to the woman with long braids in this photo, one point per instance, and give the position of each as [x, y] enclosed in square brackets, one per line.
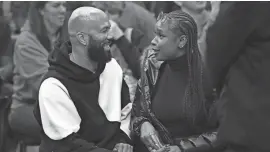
[172, 108]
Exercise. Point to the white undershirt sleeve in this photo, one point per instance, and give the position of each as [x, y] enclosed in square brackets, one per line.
[125, 119]
[59, 115]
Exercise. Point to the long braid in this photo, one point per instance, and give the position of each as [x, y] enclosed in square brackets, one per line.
[194, 101]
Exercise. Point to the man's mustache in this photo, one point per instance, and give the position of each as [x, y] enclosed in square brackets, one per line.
[107, 42]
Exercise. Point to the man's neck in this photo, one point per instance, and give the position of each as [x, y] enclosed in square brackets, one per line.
[83, 61]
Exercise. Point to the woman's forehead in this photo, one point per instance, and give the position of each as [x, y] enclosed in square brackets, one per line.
[161, 26]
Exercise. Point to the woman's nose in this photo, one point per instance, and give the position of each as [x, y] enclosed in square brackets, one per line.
[154, 41]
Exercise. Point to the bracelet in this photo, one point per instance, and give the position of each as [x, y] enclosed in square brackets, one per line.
[137, 125]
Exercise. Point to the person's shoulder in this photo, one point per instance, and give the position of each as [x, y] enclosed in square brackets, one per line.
[113, 66]
[28, 45]
[51, 85]
[26, 37]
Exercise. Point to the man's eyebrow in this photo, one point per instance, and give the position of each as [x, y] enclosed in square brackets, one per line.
[107, 26]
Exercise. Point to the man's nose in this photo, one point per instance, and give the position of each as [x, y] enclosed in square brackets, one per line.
[63, 9]
[109, 37]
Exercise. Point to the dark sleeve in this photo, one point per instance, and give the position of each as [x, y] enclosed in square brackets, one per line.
[131, 54]
[205, 142]
[138, 115]
[125, 97]
[74, 143]
[123, 138]
[227, 36]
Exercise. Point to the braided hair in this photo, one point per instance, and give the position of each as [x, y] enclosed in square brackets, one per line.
[194, 101]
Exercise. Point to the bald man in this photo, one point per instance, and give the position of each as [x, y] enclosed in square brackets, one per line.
[84, 103]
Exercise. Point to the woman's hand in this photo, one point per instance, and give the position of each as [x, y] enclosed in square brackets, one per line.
[163, 149]
[122, 147]
[174, 149]
[149, 137]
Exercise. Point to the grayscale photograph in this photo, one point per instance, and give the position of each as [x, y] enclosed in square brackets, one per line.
[134, 76]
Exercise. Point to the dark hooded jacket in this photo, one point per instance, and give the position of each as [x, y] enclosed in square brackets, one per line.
[96, 132]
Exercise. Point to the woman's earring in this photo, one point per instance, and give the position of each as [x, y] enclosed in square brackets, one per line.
[181, 46]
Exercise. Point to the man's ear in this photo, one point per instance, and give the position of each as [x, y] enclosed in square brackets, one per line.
[182, 41]
[81, 38]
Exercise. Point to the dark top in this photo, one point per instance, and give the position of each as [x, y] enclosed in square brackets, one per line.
[169, 94]
[239, 58]
[83, 86]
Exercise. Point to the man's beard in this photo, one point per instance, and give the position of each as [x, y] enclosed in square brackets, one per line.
[97, 52]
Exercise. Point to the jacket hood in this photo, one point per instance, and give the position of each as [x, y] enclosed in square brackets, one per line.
[60, 62]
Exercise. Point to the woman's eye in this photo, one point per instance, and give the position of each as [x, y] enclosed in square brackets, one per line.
[161, 36]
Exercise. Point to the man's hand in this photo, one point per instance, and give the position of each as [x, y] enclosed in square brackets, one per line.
[115, 31]
[121, 147]
[149, 136]
[174, 149]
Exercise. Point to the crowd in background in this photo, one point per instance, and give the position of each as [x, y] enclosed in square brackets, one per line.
[14, 15]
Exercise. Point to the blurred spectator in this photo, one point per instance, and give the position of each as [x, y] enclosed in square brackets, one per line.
[6, 9]
[130, 15]
[203, 15]
[136, 22]
[197, 9]
[163, 6]
[141, 3]
[6, 65]
[72, 5]
[238, 57]
[19, 10]
[125, 54]
[5, 88]
[32, 48]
